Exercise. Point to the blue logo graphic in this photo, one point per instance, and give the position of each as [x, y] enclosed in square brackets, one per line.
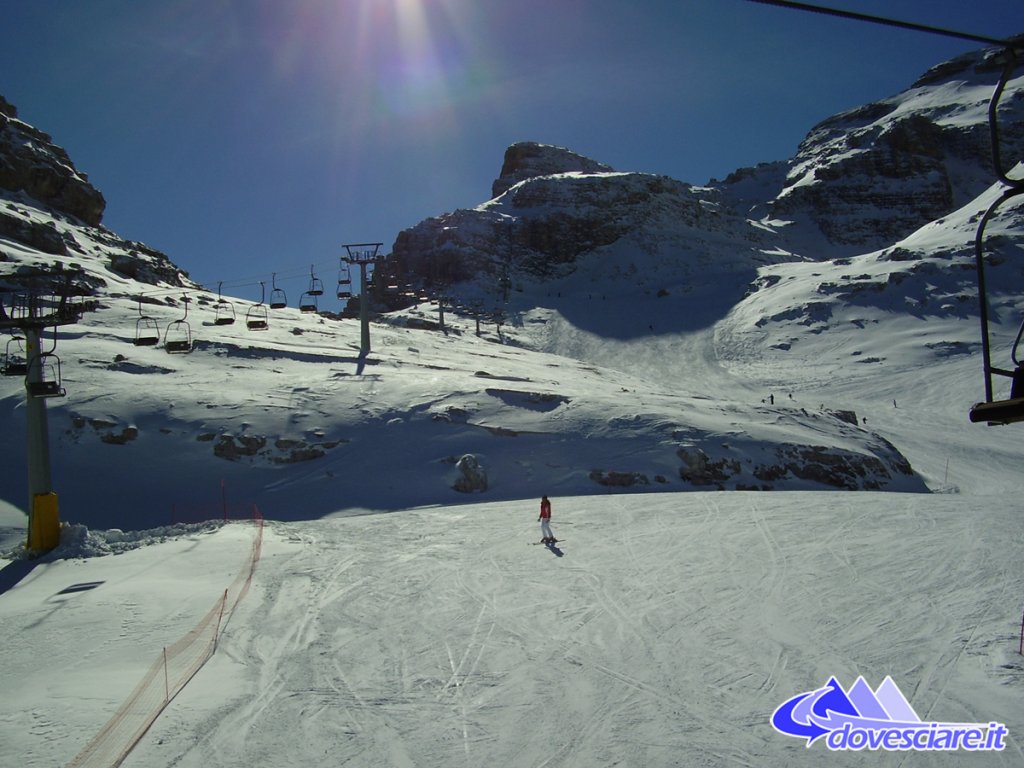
[859, 718]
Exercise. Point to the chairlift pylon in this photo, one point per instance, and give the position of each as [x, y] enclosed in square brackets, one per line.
[224, 314]
[178, 337]
[278, 298]
[256, 318]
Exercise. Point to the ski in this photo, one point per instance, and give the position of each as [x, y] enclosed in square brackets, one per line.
[545, 543]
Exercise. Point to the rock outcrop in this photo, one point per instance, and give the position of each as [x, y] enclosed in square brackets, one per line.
[50, 207]
[541, 226]
[32, 164]
[472, 475]
[528, 160]
[870, 176]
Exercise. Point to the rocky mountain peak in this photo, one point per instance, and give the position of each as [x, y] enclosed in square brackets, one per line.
[31, 164]
[869, 176]
[528, 159]
[50, 208]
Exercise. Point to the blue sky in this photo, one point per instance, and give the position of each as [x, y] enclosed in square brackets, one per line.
[244, 137]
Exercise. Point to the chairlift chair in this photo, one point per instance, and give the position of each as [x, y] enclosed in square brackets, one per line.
[993, 411]
[256, 318]
[344, 283]
[43, 378]
[307, 302]
[316, 286]
[224, 314]
[1008, 411]
[15, 363]
[178, 337]
[278, 298]
[147, 331]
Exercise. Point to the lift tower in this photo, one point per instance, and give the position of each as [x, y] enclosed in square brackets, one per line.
[32, 302]
[363, 254]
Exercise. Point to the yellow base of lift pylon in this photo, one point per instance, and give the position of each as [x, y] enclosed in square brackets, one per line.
[43, 524]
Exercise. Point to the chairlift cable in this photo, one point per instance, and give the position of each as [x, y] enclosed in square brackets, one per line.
[885, 21]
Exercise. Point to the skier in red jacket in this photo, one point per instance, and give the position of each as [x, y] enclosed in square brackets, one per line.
[545, 521]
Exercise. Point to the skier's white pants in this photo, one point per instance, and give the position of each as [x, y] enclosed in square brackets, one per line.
[545, 528]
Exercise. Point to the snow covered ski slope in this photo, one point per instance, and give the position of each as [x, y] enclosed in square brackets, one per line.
[666, 636]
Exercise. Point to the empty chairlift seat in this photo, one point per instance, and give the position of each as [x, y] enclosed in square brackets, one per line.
[178, 337]
[256, 318]
[1003, 411]
[278, 298]
[224, 313]
[147, 332]
[43, 378]
[15, 363]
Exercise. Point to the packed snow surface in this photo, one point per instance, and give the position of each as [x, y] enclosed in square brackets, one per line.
[662, 630]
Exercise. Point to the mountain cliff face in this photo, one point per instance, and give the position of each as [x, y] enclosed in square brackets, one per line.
[49, 206]
[868, 177]
[860, 181]
[540, 226]
[31, 163]
[528, 160]
[545, 226]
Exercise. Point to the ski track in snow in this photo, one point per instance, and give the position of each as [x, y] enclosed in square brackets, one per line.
[667, 634]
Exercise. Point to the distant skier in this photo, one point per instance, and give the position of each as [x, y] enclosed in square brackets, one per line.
[545, 521]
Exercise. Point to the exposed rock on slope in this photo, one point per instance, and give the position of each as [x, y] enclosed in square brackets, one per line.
[542, 225]
[528, 159]
[31, 163]
[49, 206]
[872, 175]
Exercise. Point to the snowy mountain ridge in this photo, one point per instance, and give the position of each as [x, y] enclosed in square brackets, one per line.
[639, 333]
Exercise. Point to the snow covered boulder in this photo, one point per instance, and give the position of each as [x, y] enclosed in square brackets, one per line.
[473, 478]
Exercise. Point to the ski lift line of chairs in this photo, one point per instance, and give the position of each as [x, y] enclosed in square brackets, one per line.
[178, 336]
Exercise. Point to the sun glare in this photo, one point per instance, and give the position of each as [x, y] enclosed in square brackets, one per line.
[413, 59]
